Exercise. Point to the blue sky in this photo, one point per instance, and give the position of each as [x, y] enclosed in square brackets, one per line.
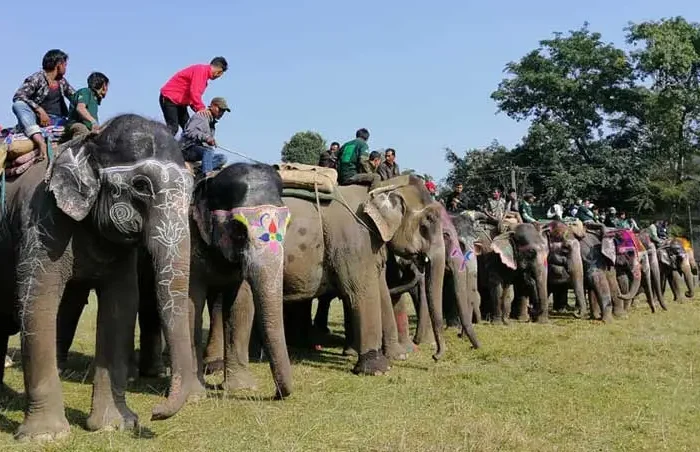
[417, 74]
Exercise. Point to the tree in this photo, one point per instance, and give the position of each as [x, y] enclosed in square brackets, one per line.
[304, 147]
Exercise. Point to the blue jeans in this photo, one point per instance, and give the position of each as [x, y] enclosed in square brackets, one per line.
[209, 159]
[28, 121]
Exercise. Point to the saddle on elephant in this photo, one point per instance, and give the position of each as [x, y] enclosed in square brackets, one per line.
[307, 177]
[20, 152]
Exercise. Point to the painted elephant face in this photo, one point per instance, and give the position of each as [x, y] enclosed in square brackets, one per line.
[125, 196]
[406, 216]
[673, 255]
[624, 246]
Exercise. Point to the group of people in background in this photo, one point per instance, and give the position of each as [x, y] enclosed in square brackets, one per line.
[356, 165]
[497, 208]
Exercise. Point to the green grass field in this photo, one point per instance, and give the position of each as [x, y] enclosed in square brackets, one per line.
[570, 385]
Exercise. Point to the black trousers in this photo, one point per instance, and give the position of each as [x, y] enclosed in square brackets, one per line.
[175, 115]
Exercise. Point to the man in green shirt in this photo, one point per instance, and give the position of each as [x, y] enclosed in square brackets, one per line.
[526, 208]
[82, 117]
[350, 156]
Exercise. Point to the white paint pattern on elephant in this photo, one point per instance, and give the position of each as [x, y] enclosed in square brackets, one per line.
[28, 267]
[173, 229]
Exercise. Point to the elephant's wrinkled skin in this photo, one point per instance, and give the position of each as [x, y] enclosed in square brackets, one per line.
[104, 196]
[238, 250]
[676, 258]
[517, 257]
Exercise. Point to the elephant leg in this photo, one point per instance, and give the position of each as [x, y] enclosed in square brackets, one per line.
[496, 296]
[390, 335]
[594, 305]
[474, 295]
[214, 351]
[601, 288]
[349, 349]
[38, 291]
[151, 339]
[322, 312]
[618, 306]
[402, 326]
[366, 304]
[75, 297]
[449, 303]
[646, 286]
[238, 314]
[675, 287]
[4, 339]
[116, 321]
[560, 296]
[521, 306]
[197, 296]
[424, 330]
[297, 323]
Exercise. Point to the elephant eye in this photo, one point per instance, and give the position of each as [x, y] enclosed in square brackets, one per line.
[142, 185]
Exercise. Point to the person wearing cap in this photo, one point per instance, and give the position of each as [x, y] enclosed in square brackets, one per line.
[185, 89]
[198, 140]
[526, 208]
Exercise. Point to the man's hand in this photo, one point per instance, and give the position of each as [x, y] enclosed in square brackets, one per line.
[95, 127]
[211, 141]
[44, 119]
[205, 112]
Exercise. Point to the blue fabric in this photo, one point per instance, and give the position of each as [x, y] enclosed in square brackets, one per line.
[210, 160]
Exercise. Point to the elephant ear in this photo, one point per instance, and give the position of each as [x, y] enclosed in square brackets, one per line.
[386, 209]
[73, 180]
[608, 248]
[200, 211]
[664, 258]
[503, 246]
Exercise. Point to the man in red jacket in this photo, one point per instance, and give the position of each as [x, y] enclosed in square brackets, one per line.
[185, 88]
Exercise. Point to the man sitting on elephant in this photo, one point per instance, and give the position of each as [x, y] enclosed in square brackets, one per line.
[585, 214]
[199, 132]
[40, 98]
[526, 208]
[350, 169]
[82, 117]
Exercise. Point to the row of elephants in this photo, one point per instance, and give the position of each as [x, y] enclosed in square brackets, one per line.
[116, 211]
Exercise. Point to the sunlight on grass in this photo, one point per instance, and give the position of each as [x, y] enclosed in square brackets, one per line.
[570, 385]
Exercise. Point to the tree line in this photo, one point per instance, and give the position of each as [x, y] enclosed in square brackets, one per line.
[616, 125]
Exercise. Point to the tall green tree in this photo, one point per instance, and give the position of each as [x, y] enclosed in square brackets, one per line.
[304, 147]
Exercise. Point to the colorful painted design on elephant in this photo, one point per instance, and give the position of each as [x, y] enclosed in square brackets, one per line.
[626, 240]
[266, 224]
[685, 243]
[466, 257]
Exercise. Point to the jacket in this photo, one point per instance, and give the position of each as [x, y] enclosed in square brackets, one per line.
[35, 88]
[387, 172]
[198, 130]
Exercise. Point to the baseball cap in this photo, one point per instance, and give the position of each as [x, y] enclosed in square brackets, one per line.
[221, 103]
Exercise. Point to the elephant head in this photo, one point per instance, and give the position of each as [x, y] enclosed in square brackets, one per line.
[247, 229]
[524, 250]
[409, 220]
[130, 183]
[623, 249]
[675, 255]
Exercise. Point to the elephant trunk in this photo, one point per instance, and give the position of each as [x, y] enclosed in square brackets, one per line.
[434, 274]
[636, 282]
[688, 277]
[541, 287]
[265, 276]
[464, 304]
[169, 246]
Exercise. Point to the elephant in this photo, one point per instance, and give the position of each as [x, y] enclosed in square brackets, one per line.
[337, 247]
[238, 250]
[676, 258]
[632, 264]
[517, 257]
[405, 276]
[599, 255]
[564, 264]
[651, 273]
[82, 218]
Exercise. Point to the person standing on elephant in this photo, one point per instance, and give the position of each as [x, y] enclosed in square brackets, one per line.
[39, 101]
[526, 208]
[82, 117]
[198, 137]
[389, 168]
[185, 89]
[350, 158]
[329, 158]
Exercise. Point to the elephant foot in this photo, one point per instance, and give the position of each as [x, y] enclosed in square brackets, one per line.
[523, 318]
[42, 428]
[396, 352]
[213, 366]
[543, 319]
[607, 317]
[113, 418]
[239, 380]
[371, 363]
